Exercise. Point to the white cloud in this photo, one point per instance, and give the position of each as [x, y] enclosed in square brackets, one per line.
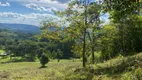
[40, 8]
[32, 18]
[4, 5]
[45, 3]
[35, 1]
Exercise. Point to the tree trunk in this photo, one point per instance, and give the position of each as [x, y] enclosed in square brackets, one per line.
[84, 48]
[92, 39]
[93, 58]
[84, 36]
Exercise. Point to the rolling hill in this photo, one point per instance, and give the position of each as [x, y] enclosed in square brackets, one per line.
[20, 27]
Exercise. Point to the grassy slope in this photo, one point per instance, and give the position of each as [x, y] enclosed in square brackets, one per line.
[115, 69]
[120, 68]
[124, 68]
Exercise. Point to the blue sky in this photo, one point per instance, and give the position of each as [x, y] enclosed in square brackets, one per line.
[29, 11]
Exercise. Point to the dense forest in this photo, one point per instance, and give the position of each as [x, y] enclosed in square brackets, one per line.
[28, 45]
[90, 47]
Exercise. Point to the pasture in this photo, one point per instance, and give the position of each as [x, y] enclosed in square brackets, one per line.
[31, 70]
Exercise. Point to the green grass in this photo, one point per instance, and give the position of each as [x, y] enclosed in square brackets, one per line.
[32, 71]
[119, 68]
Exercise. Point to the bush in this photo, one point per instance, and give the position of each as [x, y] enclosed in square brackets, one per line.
[133, 75]
[119, 64]
[40, 51]
[44, 59]
[31, 57]
[97, 58]
[81, 74]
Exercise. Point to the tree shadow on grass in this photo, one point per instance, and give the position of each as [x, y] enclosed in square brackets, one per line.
[42, 67]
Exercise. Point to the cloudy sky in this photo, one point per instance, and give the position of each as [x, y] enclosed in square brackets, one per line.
[29, 11]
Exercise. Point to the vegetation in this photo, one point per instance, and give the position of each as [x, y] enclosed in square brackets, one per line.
[32, 70]
[108, 50]
[125, 68]
[44, 59]
[27, 45]
[120, 68]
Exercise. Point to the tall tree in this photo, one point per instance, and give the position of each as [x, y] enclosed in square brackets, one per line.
[77, 28]
[121, 14]
[94, 13]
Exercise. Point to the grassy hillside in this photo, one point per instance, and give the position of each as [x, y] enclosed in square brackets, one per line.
[120, 68]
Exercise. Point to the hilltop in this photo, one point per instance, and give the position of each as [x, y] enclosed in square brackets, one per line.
[20, 27]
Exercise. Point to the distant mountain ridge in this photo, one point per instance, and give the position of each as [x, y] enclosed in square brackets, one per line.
[20, 27]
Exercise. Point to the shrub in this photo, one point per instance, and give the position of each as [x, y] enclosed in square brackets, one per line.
[81, 74]
[97, 58]
[31, 57]
[133, 75]
[40, 51]
[119, 64]
[44, 59]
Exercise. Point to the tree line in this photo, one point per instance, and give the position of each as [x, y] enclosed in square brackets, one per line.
[28, 46]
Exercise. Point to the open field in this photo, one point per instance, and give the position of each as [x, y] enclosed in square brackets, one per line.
[119, 68]
[32, 71]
